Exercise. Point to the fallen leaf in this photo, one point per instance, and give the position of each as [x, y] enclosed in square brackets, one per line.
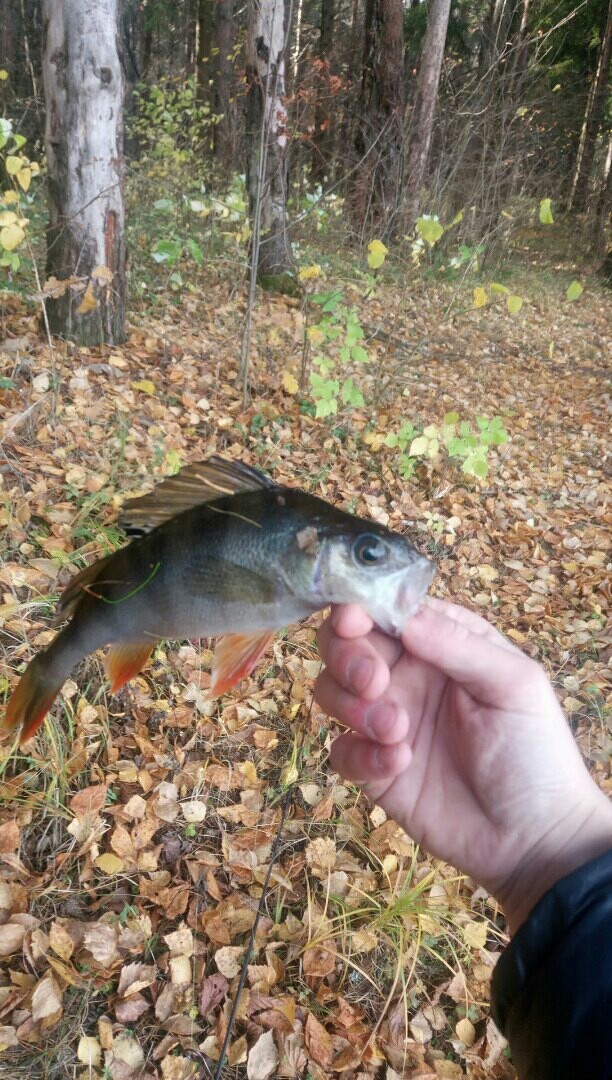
[263, 1057]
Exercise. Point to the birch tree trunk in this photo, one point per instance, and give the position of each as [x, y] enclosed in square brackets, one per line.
[84, 91]
[267, 139]
[426, 97]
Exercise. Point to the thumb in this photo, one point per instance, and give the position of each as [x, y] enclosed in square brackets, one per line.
[474, 658]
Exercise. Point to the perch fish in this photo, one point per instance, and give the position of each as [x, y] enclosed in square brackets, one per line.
[219, 549]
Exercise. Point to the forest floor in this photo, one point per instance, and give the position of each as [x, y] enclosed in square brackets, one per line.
[136, 830]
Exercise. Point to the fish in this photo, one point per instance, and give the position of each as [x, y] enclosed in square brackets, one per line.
[219, 550]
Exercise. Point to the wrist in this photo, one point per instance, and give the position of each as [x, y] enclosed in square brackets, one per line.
[574, 841]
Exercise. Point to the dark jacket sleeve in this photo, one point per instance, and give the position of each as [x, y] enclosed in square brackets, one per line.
[552, 988]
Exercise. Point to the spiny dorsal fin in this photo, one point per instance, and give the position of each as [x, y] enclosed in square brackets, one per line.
[72, 594]
[193, 485]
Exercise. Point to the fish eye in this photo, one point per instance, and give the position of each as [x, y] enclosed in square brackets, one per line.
[369, 550]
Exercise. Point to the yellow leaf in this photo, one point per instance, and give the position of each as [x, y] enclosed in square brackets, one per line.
[7, 217]
[89, 1051]
[418, 446]
[3, 75]
[487, 573]
[290, 383]
[374, 439]
[11, 236]
[309, 273]
[514, 304]
[316, 336]
[103, 274]
[109, 863]
[24, 177]
[517, 635]
[377, 254]
[480, 297]
[145, 385]
[89, 302]
[475, 933]
[10, 197]
[465, 1031]
[13, 164]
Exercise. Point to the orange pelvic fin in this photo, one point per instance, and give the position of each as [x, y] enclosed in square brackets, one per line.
[29, 703]
[235, 657]
[125, 660]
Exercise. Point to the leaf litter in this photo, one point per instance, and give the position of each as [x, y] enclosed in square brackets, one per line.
[135, 833]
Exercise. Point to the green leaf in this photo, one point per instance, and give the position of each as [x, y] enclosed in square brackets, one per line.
[167, 251]
[195, 251]
[574, 290]
[326, 407]
[546, 216]
[429, 230]
[360, 354]
[351, 394]
[464, 428]
[450, 418]
[514, 304]
[497, 288]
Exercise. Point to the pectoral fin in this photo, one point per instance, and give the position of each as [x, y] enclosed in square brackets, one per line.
[125, 660]
[235, 657]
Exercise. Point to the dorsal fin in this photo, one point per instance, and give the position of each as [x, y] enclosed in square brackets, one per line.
[72, 594]
[193, 485]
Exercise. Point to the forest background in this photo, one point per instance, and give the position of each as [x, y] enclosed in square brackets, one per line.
[364, 246]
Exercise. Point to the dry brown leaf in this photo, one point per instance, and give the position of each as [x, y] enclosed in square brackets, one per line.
[46, 999]
[228, 959]
[263, 1058]
[465, 1031]
[177, 1067]
[89, 1051]
[134, 978]
[318, 1042]
[11, 938]
[9, 836]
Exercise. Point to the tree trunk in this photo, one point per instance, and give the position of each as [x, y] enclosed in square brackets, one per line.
[592, 121]
[321, 142]
[84, 145]
[204, 50]
[428, 80]
[267, 139]
[380, 135]
[224, 39]
[9, 34]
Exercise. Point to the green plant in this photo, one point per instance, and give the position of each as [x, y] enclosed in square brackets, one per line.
[14, 200]
[338, 337]
[454, 437]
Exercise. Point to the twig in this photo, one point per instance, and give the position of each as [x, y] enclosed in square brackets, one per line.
[260, 909]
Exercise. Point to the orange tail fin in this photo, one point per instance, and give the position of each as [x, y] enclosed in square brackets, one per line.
[30, 701]
[235, 657]
[125, 660]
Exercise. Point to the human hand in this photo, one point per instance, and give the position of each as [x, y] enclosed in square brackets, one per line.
[460, 738]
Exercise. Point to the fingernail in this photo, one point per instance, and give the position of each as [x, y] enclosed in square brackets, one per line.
[380, 718]
[359, 673]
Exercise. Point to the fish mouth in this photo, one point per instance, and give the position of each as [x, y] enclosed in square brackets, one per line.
[417, 579]
[401, 596]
